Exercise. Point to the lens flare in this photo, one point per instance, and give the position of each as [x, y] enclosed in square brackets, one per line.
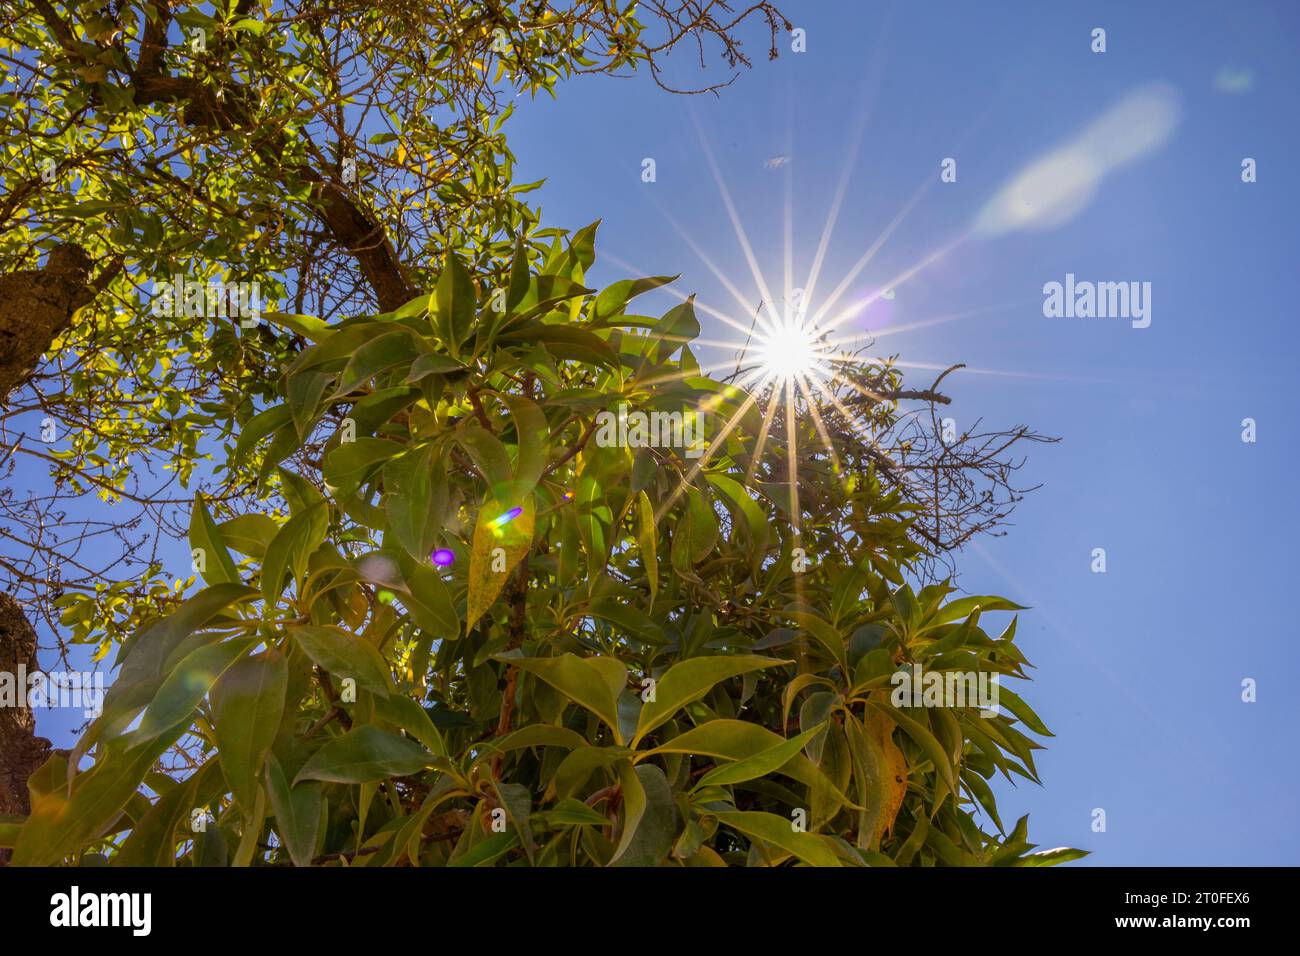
[496, 524]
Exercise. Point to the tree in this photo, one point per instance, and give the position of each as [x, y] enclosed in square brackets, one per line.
[488, 633]
[331, 153]
[345, 158]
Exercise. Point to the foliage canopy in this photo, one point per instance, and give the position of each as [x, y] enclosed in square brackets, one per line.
[633, 657]
[633, 669]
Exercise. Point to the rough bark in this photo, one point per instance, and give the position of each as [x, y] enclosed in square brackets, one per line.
[21, 751]
[35, 306]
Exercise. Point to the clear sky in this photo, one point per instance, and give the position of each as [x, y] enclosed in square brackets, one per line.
[1140, 669]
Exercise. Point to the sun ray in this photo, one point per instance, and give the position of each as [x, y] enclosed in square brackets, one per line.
[788, 258]
[682, 296]
[874, 248]
[762, 438]
[704, 370]
[1005, 373]
[703, 460]
[817, 422]
[859, 388]
[896, 471]
[892, 283]
[874, 78]
[950, 317]
[792, 439]
[718, 274]
[745, 246]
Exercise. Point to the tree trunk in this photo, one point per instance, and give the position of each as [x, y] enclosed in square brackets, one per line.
[21, 751]
[35, 306]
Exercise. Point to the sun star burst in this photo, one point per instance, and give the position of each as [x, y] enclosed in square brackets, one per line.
[792, 350]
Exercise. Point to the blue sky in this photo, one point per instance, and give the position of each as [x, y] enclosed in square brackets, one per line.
[1139, 669]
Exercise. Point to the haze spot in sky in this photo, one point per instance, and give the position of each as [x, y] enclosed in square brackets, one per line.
[1234, 80]
[1057, 186]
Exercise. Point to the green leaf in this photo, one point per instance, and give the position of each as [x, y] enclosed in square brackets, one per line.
[365, 754]
[535, 735]
[756, 522]
[533, 438]
[298, 812]
[962, 607]
[416, 499]
[727, 739]
[288, 552]
[58, 825]
[517, 800]
[1022, 710]
[825, 634]
[344, 655]
[565, 342]
[300, 493]
[153, 839]
[188, 684]
[583, 681]
[647, 535]
[255, 27]
[405, 713]
[431, 363]
[377, 356]
[519, 278]
[578, 766]
[768, 827]
[614, 298]
[760, 764]
[1061, 854]
[304, 392]
[218, 567]
[337, 346]
[430, 604]
[258, 427]
[308, 326]
[143, 660]
[633, 806]
[629, 621]
[569, 812]
[488, 851]
[247, 706]
[675, 329]
[688, 681]
[455, 301]
[656, 830]
[489, 457]
[249, 534]
[350, 464]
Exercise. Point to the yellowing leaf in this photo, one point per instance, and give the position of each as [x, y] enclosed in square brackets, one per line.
[500, 542]
[646, 537]
[881, 772]
[895, 783]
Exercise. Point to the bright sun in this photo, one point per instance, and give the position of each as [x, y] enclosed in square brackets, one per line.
[792, 350]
